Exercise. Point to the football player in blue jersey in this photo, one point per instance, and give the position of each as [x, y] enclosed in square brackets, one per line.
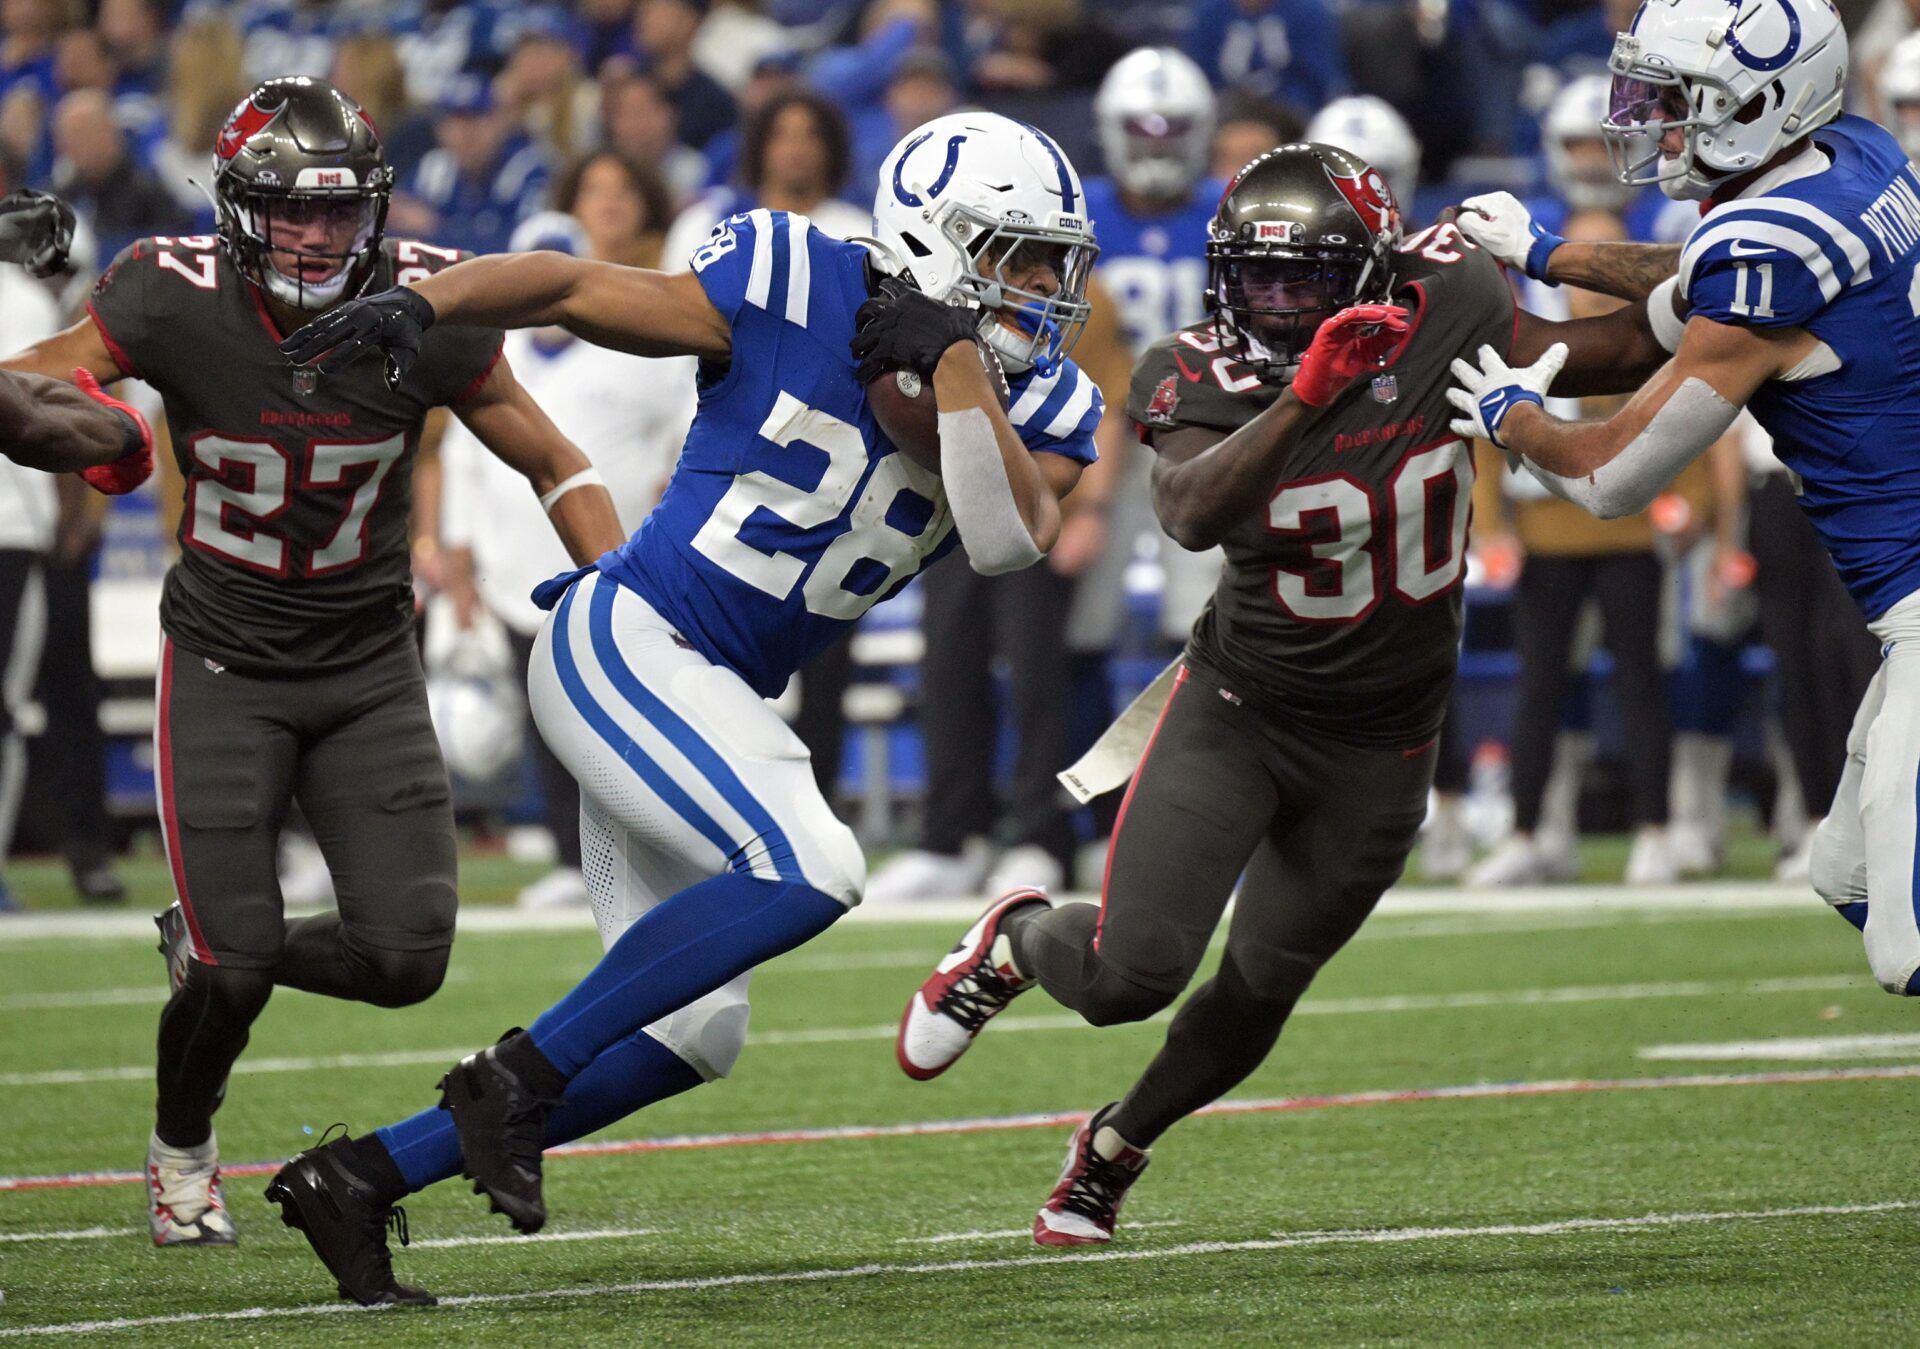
[1797, 296]
[1155, 116]
[707, 846]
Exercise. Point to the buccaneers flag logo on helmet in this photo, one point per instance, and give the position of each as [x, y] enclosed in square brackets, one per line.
[1370, 198]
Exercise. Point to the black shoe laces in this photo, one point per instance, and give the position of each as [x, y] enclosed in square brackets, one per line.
[978, 996]
[1098, 1189]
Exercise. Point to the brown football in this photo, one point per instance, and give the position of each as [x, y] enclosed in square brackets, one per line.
[903, 405]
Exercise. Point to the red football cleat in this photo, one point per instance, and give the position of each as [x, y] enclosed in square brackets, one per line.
[1083, 1208]
[972, 985]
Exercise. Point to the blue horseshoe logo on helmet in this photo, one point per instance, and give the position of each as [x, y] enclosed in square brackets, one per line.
[946, 170]
[1787, 52]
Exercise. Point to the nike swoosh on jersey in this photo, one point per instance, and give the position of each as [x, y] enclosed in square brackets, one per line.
[1740, 249]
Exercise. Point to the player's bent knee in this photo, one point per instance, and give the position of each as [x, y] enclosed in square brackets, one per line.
[708, 1033]
[1116, 1001]
[843, 876]
[233, 994]
[1837, 869]
[401, 978]
[1895, 962]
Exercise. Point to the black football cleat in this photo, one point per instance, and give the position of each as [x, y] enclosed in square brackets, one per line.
[345, 1221]
[501, 1117]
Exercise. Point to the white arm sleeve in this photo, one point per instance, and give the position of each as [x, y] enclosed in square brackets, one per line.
[1668, 327]
[980, 496]
[1691, 420]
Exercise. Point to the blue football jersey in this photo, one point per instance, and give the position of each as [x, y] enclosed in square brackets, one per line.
[789, 514]
[1836, 253]
[1154, 267]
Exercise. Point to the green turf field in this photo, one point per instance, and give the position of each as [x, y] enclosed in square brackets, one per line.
[1728, 1209]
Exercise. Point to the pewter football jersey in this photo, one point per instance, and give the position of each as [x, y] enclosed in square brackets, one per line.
[293, 543]
[1340, 605]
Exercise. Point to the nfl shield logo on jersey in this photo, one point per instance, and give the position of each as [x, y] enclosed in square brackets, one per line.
[1386, 389]
[1166, 397]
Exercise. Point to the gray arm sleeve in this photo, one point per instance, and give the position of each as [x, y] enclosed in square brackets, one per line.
[980, 496]
[1692, 419]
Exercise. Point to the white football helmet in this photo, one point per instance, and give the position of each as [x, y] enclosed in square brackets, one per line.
[1585, 182]
[968, 200]
[1739, 80]
[1900, 94]
[1371, 129]
[1155, 115]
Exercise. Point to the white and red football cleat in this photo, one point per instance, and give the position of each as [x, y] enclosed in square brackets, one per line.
[185, 1203]
[1085, 1204]
[971, 985]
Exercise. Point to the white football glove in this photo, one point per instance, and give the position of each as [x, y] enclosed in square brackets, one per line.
[1487, 394]
[1502, 225]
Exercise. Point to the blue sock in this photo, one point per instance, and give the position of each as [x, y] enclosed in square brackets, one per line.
[634, 1073]
[1855, 913]
[684, 947]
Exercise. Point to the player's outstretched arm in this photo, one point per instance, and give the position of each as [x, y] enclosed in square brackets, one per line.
[1607, 354]
[628, 309]
[1205, 483]
[504, 417]
[1500, 223]
[1616, 467]
[55, 416]
[52, 425]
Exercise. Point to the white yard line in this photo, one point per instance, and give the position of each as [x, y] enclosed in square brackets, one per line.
[1382, 1236]
[1405, 927]
[1893, 1045]
[74, 1234]
[1390, 1003]
[1699, 897]
[1056, 1119]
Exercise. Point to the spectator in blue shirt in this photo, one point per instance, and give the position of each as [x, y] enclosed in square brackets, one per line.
[482, 180]
[662, 34]
[107, 187]
[26, 52]
[135, 32]
[1283, 49]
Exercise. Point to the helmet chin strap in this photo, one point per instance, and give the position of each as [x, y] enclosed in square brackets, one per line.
[302, 295]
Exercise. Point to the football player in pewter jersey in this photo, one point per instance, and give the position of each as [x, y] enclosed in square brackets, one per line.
[1797, 297]
[288, 668]
[707, 845]
[1303, 427]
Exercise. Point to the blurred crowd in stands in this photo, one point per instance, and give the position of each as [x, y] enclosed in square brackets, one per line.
[625, 129]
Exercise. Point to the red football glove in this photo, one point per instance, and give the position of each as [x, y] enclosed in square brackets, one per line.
[1350, 343]
[130, 469]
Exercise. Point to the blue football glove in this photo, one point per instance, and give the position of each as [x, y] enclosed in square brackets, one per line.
[1487, 395]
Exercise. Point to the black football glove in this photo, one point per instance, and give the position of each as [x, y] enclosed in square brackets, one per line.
[902, 329]
[36, 230]
[392, 322]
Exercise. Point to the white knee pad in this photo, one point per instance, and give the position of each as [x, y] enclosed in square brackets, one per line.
[1892, 954]
[843, 872]
[1839, 860]
[708, 1032]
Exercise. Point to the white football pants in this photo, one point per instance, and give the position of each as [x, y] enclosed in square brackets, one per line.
[685, 773]
[1864, 850]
